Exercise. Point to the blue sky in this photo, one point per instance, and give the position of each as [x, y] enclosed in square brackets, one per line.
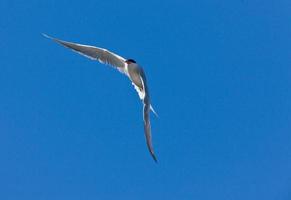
[219, 75]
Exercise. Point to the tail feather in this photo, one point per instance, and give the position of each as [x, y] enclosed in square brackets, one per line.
[152, 109]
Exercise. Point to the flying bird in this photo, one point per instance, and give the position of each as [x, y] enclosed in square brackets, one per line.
[130, 68]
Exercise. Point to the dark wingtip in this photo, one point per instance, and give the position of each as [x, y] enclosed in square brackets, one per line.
[52, 38]
[154, 157]
[61, 42]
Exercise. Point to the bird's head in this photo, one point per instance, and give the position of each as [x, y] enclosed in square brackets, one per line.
[129, 61]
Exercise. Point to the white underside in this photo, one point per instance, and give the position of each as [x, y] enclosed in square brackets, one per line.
[141, 94]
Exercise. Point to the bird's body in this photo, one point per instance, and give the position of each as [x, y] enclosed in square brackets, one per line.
[137, 77]
[134, 72]
[130, 68]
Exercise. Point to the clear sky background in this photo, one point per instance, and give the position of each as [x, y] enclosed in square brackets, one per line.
[219, 75]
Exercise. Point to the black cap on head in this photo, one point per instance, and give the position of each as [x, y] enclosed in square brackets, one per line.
[130, 61]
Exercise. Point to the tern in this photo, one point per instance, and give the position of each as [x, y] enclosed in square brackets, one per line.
[130, 68]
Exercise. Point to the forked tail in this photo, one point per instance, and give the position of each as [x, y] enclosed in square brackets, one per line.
[152, 109]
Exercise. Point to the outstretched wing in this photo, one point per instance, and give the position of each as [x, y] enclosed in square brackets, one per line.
[144, 95]
[95, 53]
[147, 129]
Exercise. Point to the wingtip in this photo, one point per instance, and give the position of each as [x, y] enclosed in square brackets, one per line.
[154, 157]
[156, 161]
[47, 36]
[50, 37]
[54, 39]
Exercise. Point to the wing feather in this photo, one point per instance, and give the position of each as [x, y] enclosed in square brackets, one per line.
[147, 129]
[95, 53]
[146, 114]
